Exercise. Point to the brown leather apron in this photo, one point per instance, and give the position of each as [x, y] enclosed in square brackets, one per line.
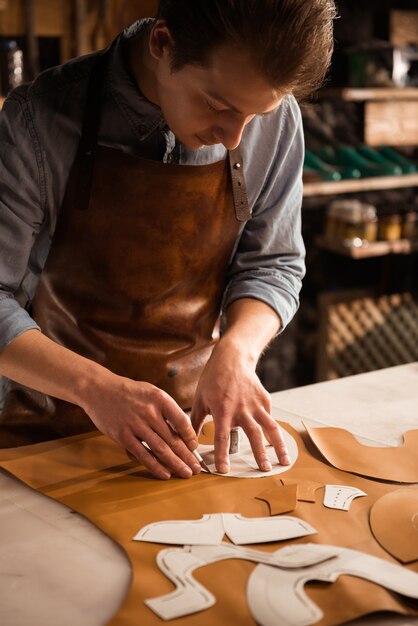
[135, 275]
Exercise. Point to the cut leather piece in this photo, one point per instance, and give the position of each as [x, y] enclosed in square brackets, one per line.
[277, 596]
[340, 496]
[190, 596]
[281, 499]
[306, 488]
[91, 475]
[394, 523]
[243, 464]
[343, 451]
[211, 528]
[208, 530]
[245, 530]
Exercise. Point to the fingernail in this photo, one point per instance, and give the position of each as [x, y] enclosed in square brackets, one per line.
[186, 472]
[196, 469]
[285, 460]
[192, 444]
[266, 466]
[165, 475]
[223, 469]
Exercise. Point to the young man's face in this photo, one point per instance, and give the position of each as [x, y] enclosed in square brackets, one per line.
[212, 104]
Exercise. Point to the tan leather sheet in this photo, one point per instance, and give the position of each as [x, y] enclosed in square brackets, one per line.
[342, 450]
[397, 510]
[93, 475]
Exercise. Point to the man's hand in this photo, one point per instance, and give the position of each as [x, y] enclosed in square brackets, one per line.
[140, 417]
[230, 390]
[148, 423]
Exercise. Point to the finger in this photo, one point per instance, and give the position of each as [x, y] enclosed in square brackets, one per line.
[180, 422]
[255, 437]
[177, 445]
[145, 457]
[166, 456]
[197, 416]
[222, 447]
[266, 402]
[274, 436]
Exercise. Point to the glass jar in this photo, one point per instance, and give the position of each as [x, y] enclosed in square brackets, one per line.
[11, 66]
[409, 225]
[370, 222]
[390, 227]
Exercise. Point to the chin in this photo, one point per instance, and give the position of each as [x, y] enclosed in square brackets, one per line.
[192, 142]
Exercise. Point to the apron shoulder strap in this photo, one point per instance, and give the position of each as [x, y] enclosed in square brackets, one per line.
[79, 184]
[239, 189]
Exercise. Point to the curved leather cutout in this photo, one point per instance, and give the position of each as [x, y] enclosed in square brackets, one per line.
[275, 590]
[394, 523]
[190, 596]
[210, 529]
[341, 496]
[242, 463]
[343, 451]
[277, 596]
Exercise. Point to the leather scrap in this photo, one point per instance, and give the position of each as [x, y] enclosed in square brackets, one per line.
[306, 488]
[343, 451]
[394, 523]
[281, 499]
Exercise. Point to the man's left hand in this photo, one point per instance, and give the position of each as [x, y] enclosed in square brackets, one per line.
[230, 391]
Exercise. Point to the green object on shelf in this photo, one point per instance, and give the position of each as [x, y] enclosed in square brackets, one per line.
[407, 166]
[380, 159]
[326, 171]
[328, 155]
[311, 175]
[349, 156]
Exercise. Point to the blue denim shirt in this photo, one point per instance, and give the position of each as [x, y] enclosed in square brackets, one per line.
[40, 128]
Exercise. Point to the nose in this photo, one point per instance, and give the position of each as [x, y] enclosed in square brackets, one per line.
[229, 131]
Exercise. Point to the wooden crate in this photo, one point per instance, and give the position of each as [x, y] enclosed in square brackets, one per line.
[361, 332]
[391, 122]
[403, 28]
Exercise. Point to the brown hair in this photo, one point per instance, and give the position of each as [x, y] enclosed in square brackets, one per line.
[290, 41]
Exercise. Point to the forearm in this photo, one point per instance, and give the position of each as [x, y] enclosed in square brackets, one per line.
[230, 390]
[251, 325]
[34, 360]
[131, 412]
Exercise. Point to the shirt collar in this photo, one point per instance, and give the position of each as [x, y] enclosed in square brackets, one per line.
[144, 116]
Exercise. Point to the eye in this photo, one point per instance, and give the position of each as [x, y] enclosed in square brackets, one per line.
[210, 107]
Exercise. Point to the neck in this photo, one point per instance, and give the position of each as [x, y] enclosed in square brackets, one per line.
[142, 66]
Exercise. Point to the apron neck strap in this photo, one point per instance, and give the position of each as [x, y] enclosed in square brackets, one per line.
[84, 161]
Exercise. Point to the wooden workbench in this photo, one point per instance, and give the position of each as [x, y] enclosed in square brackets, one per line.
[56, 569]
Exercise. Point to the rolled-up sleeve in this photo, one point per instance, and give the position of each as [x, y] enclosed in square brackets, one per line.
[269, 262]
[21, 215]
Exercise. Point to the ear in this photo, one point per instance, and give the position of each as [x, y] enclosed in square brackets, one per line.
[160, 42]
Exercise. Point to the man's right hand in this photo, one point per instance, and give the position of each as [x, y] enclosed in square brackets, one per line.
[148, 423]
[135, 414]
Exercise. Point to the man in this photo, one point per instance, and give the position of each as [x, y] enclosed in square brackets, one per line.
[124, 161]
